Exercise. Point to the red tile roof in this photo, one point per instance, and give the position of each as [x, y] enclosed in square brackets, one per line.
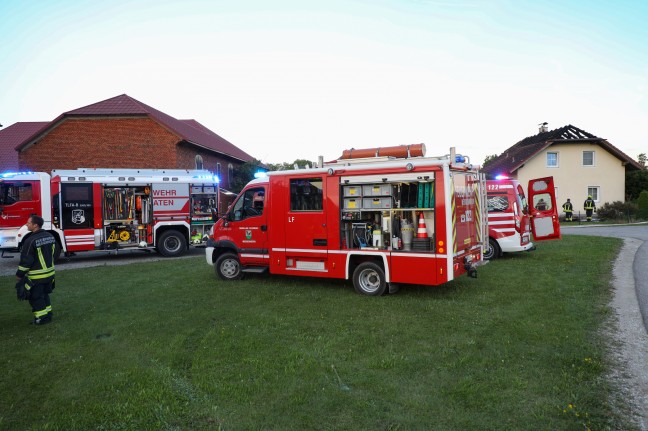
[516, 156]
[13, 136]
[190, 131]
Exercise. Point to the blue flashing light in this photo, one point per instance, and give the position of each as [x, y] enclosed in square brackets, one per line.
[260, 174]
[501, 177]
[460, 159]
[13, 174]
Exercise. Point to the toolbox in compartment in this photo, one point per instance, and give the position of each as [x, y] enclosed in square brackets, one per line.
[377, 203]
[377, 190]
[350, 191]
[352, 203]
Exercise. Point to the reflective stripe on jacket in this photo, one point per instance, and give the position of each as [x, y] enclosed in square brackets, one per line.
[589, 204]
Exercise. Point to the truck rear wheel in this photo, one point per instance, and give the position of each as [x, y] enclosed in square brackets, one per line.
[369, 279]
[57, 252]
[171, 244]
[493, 250]
[228, 267]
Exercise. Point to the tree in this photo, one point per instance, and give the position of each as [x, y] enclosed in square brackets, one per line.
[285, 166]
[635, 183]
[243, 174]
[643, 205]
[642, 159]
[489, 159]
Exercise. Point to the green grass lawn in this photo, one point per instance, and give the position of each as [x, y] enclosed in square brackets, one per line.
[167, 346]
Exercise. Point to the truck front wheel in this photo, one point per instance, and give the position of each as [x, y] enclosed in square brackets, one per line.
[228, 267]
[171, 244]
[493, 250]
[369, 279]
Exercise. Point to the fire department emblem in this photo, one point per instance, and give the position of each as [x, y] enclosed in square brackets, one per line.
[78, 216]
[248, 234]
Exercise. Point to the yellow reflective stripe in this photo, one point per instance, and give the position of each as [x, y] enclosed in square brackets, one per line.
[41, 259]
[48, 308]
[40, 271]
[41, 276]
[40, 313]
[23, 268]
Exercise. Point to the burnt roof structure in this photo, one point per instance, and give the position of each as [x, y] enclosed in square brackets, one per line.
[516, 156]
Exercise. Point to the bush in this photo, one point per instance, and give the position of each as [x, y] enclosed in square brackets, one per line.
[618, 211]
[642, 205]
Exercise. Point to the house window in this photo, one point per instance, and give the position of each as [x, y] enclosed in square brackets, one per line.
[199, 162]
[593, 191]
[552, 159]
[588, 158]
[230, 174]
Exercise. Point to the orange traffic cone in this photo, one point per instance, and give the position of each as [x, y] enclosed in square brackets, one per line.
[422, 231]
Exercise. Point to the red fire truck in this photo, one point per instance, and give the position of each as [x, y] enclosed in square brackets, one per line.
[380, 217]
[110, 209]
[511, 220]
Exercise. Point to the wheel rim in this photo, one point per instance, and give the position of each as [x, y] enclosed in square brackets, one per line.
[490, 251]
[172, 244]
[229, 268]
[369, 280]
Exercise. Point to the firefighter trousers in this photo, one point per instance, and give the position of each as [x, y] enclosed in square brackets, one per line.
[568, 215]
[588, 213]
[39, 299]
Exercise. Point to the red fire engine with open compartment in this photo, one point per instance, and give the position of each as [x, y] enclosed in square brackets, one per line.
[380, 217]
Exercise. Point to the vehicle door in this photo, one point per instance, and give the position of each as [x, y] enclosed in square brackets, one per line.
[77, 215]
[305, 224]
[247, 226]
[18, 200]
[543, 210]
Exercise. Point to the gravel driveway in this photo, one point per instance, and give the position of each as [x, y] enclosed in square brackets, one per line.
[630, 302]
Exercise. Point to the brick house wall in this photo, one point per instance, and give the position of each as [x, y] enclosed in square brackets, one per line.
[124, 142]
[186, 156]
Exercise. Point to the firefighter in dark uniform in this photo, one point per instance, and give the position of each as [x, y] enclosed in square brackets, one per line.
[568, 208]
[589, 207]
[36, 270]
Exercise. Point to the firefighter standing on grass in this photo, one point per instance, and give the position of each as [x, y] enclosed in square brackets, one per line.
[568, 208]
[589, 207]
[35, 272]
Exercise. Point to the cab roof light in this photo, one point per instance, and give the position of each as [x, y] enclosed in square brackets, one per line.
[260, 174]
[501, 177]
[13, 174]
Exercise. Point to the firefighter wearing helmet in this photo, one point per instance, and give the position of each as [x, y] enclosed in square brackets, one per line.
[589, 207]
[568, 208]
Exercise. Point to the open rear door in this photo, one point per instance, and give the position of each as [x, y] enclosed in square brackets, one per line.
[542, 206]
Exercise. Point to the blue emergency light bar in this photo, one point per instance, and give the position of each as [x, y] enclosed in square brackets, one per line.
[13, 174]
[260, 174]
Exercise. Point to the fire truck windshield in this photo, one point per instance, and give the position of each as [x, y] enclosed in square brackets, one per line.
[12, 192]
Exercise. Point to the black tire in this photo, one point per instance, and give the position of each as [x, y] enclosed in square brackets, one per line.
[369, 279]
[493, 250]
[171, 244]
[57, 251]
[228, 267]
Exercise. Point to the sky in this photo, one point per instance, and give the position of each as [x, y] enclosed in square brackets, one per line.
[285, 80]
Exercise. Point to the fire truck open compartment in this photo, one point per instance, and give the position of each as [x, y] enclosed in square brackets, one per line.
[127, 215]
[387, 215]
[204, 200]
